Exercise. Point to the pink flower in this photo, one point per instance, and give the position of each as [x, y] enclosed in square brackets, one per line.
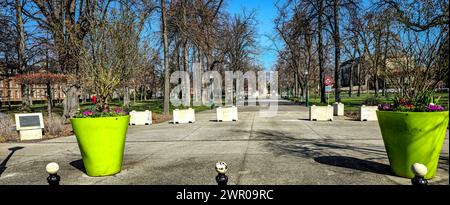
[117, 110]
[434, 108]
[88, 113]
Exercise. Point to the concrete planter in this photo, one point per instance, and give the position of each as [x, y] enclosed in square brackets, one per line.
[183, 116]
[140, 118]
[227, 114]
[338, 109]
[413, 137]
[101, 142]
[321, 113]
[368, 113]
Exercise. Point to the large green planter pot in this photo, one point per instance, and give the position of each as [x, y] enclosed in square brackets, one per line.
[411, 137]
[101, 142]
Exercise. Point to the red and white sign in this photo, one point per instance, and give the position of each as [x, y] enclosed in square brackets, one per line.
[328, 81]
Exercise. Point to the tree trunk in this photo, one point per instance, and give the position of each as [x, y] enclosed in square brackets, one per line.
[321, 68]
[126, 97]
[376, 63]
[386, 47]
[359, 79]
[145, 93]
[350, 89]
[9, 93]
[337, 52]
[24, 87]
[134, 96]
[296, 85]
[49, 99]
[376, 83]
[166, 58]
[25, 91]
[366, 83]
[71, 101]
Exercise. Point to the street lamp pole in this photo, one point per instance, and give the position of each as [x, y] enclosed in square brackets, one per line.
[307, 88]
[212, 92]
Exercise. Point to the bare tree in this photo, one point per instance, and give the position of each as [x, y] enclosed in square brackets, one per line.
[25, 88]
[112, 51]
[69, 23]
[242, 40]
[166, 57]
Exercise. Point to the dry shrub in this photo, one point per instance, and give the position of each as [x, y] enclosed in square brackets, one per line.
[55, 126]
[159, 118]
[7, 131]
[352, 114]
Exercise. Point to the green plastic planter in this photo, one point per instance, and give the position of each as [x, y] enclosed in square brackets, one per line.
[101, 142]
[411, 137]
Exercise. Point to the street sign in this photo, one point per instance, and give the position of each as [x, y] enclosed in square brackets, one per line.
[328, 89]
[328, 81]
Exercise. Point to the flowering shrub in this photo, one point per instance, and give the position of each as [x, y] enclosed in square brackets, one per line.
[434, 108]
[91, 112]
[424, 104]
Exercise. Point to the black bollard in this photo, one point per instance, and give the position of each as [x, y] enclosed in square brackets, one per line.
[419, 171]
[53, 178]
[221, 178]
[419, 181]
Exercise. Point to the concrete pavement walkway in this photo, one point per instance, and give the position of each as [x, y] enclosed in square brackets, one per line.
[285, 149]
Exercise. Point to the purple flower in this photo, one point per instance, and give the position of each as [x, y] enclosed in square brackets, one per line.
[88, 113]
[117, 110]
[384, 107]
[106, 109]
[434, 108]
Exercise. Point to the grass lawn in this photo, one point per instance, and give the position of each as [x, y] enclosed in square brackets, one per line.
[353, 103]
[62, 128]
[156, 106]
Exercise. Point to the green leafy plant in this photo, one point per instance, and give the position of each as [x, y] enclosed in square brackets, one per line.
[421, 103]
[92, 112]
[373, 101]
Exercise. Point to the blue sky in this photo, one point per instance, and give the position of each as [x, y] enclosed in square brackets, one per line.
[265, 14]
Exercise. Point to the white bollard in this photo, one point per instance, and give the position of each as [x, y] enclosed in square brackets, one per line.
[321, 113]
[368, 113]
[140, 118]
[183, 116]
[338, 109]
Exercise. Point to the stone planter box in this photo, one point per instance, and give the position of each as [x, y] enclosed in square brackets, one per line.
[227, 114]
[321, 113]
[183, 116]
[368, 113]
[338, 109]
[140, 118]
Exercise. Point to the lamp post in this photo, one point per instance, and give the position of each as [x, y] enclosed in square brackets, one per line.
[212, 91]
[307, 88]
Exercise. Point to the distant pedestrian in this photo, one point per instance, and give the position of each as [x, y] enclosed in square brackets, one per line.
[94, 99]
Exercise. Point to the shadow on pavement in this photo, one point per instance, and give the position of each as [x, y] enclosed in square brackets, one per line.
[303, 119]
[282, 143]
[355, 163]
[5, 161]
[443, 162]
[78, 164]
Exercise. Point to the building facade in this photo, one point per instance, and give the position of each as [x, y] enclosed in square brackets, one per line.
[38, 92]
